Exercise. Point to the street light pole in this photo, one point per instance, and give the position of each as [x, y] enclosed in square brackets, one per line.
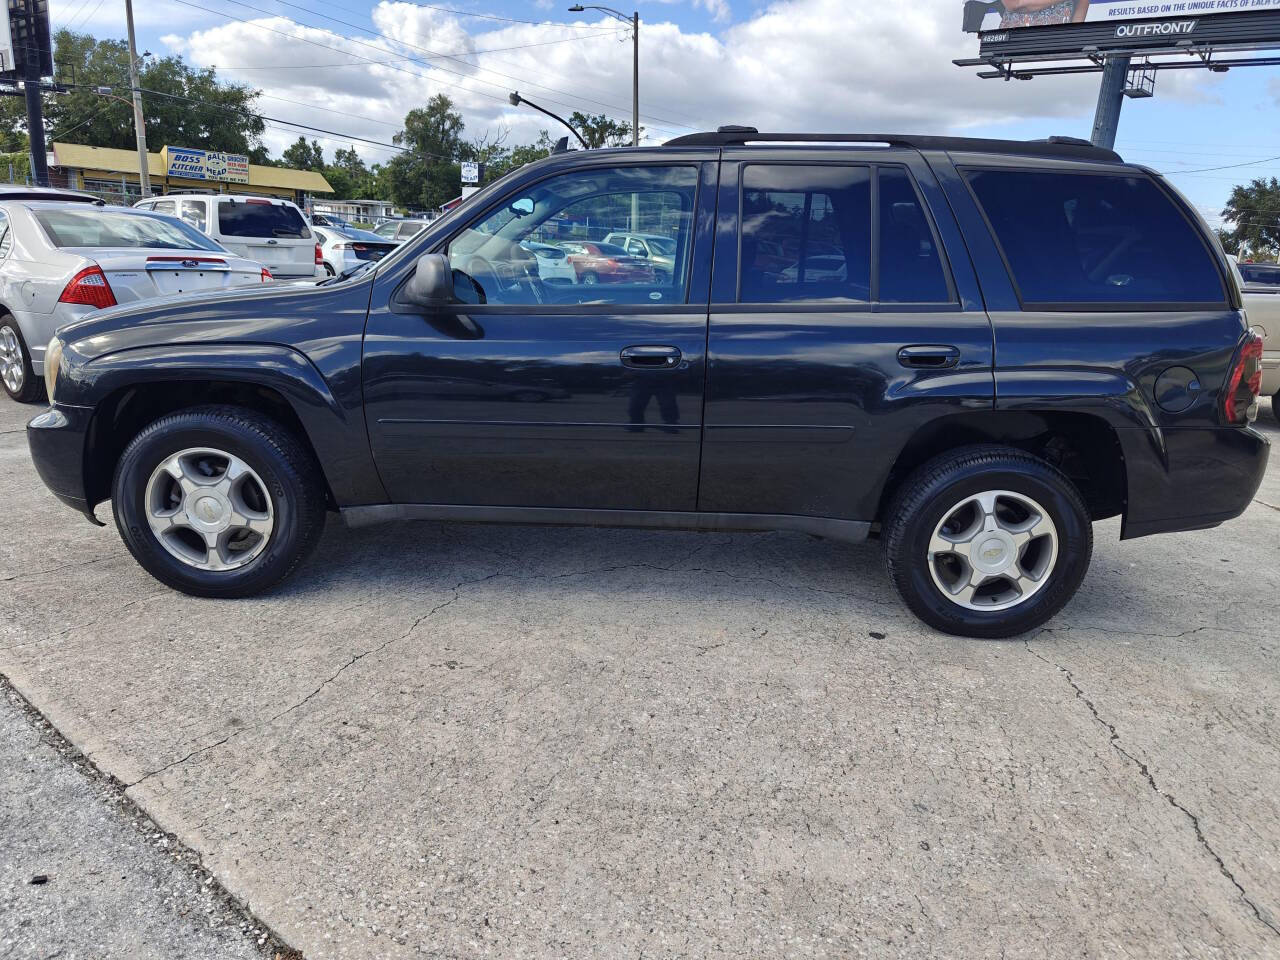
[139, 121]
[515, 100]
[633, 22]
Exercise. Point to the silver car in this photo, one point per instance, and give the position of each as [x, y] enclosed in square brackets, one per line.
[344, 249]
[60, 261]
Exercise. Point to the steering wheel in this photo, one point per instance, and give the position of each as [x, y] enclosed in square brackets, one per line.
[500, 277]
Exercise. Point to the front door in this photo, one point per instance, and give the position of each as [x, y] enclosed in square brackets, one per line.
[535, 388]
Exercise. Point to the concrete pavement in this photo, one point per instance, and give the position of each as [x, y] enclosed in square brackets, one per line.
[519, 742]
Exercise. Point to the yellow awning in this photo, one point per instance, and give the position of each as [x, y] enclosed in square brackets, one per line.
[80, 156]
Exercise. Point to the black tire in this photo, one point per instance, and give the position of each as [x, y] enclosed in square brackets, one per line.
[31, 387]
[1275, 405]
[288, 472]
[329, 271]
[922, 501]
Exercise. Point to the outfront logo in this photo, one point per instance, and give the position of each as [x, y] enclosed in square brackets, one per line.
[1168, 28]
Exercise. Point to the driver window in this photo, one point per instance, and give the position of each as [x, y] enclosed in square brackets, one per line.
[806, 233]
[546, 245]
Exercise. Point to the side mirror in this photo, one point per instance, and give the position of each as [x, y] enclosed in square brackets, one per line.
[522, 207]
[432, 282]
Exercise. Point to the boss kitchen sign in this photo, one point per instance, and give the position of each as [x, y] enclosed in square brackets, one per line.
[190, 163]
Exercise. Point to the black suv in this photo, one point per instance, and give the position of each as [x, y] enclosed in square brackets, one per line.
[971, 349]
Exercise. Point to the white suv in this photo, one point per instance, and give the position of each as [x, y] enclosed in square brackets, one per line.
[271, 231]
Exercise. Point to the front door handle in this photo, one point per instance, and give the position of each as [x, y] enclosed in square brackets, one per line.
[650, 357]
[929, 356]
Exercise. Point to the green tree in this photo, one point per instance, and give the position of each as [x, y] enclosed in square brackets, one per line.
[1253, 210]
[600, 131]
[302, 155]
[184, 106]
[427, 174]
[349, 177]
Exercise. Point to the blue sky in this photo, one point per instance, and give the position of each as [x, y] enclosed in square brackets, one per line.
[798, 64]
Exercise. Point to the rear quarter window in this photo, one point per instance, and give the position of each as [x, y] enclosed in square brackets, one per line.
[1080, 239]
[242, 218]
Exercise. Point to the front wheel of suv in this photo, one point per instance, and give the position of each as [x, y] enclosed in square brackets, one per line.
[987, 541]
[218, 501]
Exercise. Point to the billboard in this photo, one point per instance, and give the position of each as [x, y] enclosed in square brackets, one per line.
[981, 15]
[191, 163]
[1063, 27]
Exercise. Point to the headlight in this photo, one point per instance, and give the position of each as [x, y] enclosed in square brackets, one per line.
[52, 363]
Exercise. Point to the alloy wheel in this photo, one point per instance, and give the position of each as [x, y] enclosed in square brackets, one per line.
[13, 367]
[209, 509]
[993, 550]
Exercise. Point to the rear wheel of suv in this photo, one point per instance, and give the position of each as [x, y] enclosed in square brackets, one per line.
[218, 501]
[1275, 406]
[987, 541]
[16, 373]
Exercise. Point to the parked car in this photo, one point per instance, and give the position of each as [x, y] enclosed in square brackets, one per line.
[329, 220]
[19, 192]
[345, 249]
[606, 263]
[272, 232]
[660, 251]
[553, 263]
[61, 261]
[1029, 337]
[401, 230]
[1260, 284]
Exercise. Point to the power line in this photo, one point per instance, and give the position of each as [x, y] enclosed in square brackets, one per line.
[431, 66]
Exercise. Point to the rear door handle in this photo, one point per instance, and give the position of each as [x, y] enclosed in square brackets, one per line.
[650, 357]
[929, 356]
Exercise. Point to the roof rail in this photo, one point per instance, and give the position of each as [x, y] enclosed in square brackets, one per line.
[1068, 147]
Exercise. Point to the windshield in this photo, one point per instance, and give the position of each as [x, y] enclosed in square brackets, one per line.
[261, 218]
[98, 227]
[1257, 273]
[663, 245]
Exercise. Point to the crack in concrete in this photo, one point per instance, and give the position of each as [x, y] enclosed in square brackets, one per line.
[323, 683]
[64, 566]
[1265, 504]
[1114, 739]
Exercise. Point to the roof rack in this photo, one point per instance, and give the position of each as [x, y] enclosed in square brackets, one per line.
[1068, 147]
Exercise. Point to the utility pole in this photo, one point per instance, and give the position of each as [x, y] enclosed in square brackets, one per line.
[635, 79]
[139, 120]
[35, 111]
[1106, 120]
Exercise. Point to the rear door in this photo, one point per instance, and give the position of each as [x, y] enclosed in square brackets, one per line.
[818, 375]
[531, 393]
[271, 232]
[1109, 297]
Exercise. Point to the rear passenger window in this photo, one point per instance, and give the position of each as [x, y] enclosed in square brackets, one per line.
[910, 267]
[193, 213]
[1084, 238]
[806, 233]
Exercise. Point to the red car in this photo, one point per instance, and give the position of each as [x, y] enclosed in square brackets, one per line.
[606, 263]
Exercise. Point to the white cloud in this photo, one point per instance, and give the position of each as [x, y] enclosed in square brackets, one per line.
[795, 65]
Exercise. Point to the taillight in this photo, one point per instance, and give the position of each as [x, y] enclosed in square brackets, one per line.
[266, 275]
[319, 254]
[90, 288]
[359, 247]
[1245, 383]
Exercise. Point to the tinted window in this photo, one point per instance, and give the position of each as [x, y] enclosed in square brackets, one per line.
[910, 267]
[495, 259]
[261, 218]
[67, 227]
[1080, 238]
[1260, 273]
[806, 233]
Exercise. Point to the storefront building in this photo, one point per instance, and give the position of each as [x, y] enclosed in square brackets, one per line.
[113, 174]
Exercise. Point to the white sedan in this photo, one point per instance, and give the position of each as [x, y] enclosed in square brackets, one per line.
[345, 248]
[60, 261]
